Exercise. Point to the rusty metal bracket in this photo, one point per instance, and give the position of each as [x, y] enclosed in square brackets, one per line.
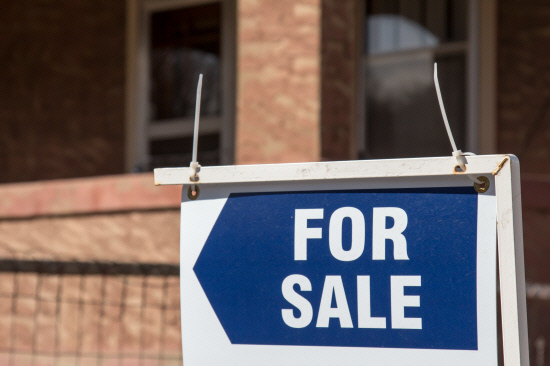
[500, 165]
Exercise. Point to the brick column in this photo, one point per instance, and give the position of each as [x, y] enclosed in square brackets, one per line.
[278, 81]
[523, 79]
[340, 55]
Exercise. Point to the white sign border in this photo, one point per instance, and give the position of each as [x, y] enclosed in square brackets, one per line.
[504, 168]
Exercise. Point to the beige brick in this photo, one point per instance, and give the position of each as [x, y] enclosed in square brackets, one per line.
[156, 292]
[6, 284]
[5, 322]
[132, 362]
[25, 308]
[92, 288]
[66, 361]
[87, 361]
[22, 359]
[46, 327]
[113, 290]
[173, 298]
[152, 330]
[26, 284]
[134, 291]
[71, 288]
[309, 12]
[49, 285]
[24, 324]
[68, 327]
[175, 362]
[131, 329]
[110, 329]
[89, 326]
[172, 331]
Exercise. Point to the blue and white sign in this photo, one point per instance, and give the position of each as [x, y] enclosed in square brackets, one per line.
[346, 272]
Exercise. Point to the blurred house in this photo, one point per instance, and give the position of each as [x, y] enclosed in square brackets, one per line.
[95, 94]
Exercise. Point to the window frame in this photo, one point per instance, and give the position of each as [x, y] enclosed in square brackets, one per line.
[139, 129]
[479, 50]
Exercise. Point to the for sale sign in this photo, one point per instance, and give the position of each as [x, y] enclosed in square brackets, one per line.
[285, 267]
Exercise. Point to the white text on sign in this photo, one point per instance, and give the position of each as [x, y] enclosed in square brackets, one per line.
[334, 287]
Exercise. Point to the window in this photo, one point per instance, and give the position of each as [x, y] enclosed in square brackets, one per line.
[403, 38]
[176, 41]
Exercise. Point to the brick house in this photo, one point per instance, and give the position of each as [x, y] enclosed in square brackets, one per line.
[94, 94]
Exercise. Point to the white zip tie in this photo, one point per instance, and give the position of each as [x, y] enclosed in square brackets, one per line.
[458, 154]
[195, 166]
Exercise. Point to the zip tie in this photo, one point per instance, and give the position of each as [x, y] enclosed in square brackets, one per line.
[458, 154]
[195, 166]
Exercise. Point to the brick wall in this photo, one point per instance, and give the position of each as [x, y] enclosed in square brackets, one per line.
[89, 320]
[523, 79]
[278, 68]
[61, 89]
[68, 315]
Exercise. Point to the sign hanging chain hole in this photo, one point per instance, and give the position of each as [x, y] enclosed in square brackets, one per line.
[193, 192]
[483, 186]
[458, 154]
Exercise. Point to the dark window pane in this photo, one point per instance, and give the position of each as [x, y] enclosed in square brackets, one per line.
[184, 43]
[457, 20]
[403, 117]
[402, 112]
[407, 24]
[178, 151]
[383, 6]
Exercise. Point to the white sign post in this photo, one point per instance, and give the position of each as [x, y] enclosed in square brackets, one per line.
[379, 262]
